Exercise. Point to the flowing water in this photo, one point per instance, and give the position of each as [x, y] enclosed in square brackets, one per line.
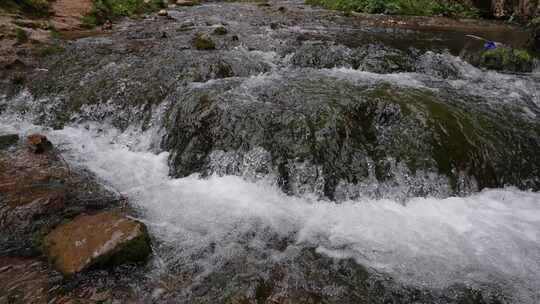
[303, 160]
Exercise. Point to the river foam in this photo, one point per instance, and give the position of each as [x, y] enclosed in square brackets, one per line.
[491, 236]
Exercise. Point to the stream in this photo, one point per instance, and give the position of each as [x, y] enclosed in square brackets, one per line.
[312, 157]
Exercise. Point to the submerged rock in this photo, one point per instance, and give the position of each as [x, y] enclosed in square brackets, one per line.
[203, 42]
[104, 238]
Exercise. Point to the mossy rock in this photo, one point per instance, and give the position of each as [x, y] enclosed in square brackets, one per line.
[322, 133]
[507, 59]
[220, 30]
[203, 42]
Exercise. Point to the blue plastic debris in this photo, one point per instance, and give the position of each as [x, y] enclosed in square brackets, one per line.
[490, 45]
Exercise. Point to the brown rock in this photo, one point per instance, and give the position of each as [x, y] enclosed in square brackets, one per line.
[38, 143]
[38, 192]
[104, 238]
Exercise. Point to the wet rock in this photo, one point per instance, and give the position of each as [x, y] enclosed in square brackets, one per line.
[163, 13]
[106, 238]
[220, 30]
[203, 42]
[39, 191]
[38, 143]
[378, 141]
[25, 281]
[8, 140]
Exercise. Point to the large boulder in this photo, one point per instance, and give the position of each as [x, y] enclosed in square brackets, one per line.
[106, 238]
[339, 140]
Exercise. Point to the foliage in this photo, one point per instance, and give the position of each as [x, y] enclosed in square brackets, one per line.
[49, 50]
[400, 7]
[103, 10]
[40, 8]
[21, 35]
[507, 59]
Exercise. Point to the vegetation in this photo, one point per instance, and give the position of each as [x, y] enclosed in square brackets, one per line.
[502, 58]
[400, 7]
[220, 31]
[49, 50]
[39, 8]
[21, 35]
[103, 10]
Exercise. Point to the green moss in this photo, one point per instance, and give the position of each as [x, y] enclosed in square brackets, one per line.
[203, 42]
[507, 59]
[221, 30]
[49, 50]
[400, 7]
[21, 35]
[137, 250]
[459, 141]
[38, 238]
[523, 55]
[103, 10]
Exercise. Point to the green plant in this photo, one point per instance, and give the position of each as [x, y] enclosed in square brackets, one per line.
[39, 8]
[508, 59]
[103, 10]
[21, 35]
[400, 7]
[49, 50]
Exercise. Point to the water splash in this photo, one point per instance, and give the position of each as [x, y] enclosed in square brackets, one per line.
[489, 237]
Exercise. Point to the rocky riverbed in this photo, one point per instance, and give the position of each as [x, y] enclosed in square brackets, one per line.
[275, 153]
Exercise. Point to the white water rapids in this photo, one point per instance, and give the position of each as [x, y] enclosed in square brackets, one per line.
[487, 237]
